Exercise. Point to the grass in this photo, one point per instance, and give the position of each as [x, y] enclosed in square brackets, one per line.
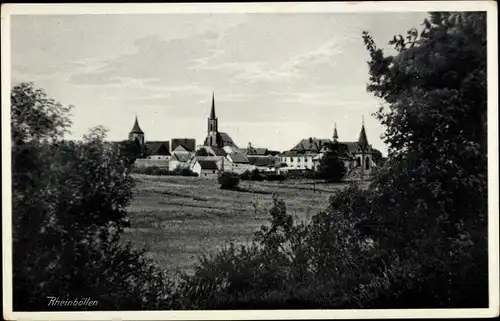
[180, 218]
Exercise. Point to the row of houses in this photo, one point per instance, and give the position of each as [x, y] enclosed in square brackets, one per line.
[208, 161]
[219, 153]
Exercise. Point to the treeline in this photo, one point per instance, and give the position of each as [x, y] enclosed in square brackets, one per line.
[161, 171]
[416, 238]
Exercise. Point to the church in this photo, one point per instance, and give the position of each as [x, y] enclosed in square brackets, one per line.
[216, 139]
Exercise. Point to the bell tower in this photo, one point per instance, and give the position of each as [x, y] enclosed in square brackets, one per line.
[136, 133]
[213, 137]
[212, 119]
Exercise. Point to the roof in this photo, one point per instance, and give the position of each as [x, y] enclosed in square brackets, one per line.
[181, 157]
[311, 144]
[212, 110]
[216, 151]
[136, 129]
[239, 158]
[299, 153]
[257, 151]
[209, 158]
[363, 140]
[207, 164]
[265, 161]
[227, 140]
[351, 145]
[189, 144]
[158, 147]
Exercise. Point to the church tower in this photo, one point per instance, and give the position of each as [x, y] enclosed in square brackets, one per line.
[213, 138]
[212, 120]
[335, 134]
[136, 133]
[364, 157]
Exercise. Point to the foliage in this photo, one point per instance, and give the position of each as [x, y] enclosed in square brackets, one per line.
[161, 171]
[331, 168]
[130, 150]
[228, 180]
[69, 209]
[417, 237]
[255, 175]
[432, 196]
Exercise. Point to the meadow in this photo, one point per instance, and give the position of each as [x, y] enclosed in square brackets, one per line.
[181, 218]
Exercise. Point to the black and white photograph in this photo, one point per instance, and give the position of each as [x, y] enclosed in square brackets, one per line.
[250, 160]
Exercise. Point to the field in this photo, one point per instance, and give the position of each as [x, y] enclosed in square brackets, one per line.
[181, 218]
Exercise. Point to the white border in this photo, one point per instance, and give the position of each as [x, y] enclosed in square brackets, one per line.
[311, 7]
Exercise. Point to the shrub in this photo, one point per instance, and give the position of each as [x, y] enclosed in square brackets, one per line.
[275, 177]
[245, 176]
[331, 168]
[228, 180]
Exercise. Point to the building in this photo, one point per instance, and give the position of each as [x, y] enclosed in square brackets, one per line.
[179, 160]
[214, 137]
[158, 150]
[358, 157]
[186, 144]
[256, 151]
[240, 162]
[205, 168]
[136, 133]
[223, 163]
[301, 156]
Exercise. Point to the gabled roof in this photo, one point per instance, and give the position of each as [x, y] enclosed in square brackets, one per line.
[182, 157]
[239, 158]
[311, 144]
[180, 148]
[207, 164]
[189, 144]
[216, 151]
[136, 129]
[158, 147]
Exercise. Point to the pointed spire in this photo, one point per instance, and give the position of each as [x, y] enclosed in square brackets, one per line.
[136, 129]
[363, 140]
[212, 111]
[335, 134]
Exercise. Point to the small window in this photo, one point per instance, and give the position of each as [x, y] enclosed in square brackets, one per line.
[213, 172]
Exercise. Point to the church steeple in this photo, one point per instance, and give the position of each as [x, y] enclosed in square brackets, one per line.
[335, 134]
[136, 129]
[363, 140]
[136, 133]
[212, 120]
[212, 111]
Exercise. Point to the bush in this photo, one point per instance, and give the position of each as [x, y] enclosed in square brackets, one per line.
[331, 168]
[275, 177]
[245, 176]
[228, 180]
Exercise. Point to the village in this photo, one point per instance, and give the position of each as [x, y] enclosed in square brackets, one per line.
[219, 153]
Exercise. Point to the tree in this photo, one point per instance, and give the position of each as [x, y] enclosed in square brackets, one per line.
[201, 152]
[131, 150]
[432, 203]
[68, 212]
[228, 180]
[331, 168]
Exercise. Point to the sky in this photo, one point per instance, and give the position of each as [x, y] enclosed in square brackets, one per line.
[277, 78]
